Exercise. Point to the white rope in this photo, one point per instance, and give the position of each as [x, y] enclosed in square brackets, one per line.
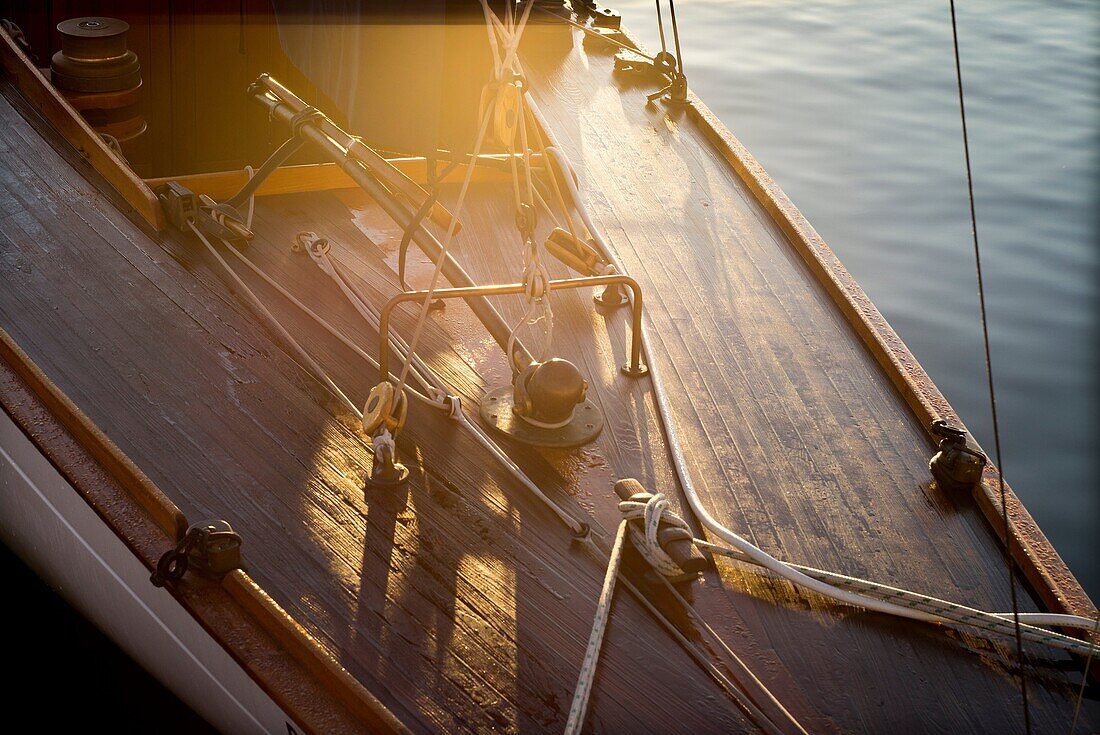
[328, 269]
[587, 673]
[536, 290]
[486, 441]
[535, 276]
[419, 370]
[446, 401]
[386, 441]
[644, 535]
[656, 510]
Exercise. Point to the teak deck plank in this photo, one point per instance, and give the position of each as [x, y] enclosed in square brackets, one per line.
[460, 602]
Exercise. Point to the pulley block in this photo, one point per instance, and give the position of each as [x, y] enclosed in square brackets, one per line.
[385, 409]
[506, 112]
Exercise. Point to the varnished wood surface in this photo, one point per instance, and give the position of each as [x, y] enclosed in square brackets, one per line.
[1045, 570]
[460, 602]
[797, 438]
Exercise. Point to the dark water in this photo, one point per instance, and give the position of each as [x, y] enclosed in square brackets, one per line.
[63, 675]
[851, 106]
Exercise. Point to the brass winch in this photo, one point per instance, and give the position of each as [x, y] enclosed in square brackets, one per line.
[546, 405]
[99, 75]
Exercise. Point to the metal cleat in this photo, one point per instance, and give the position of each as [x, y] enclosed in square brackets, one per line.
[956, 466]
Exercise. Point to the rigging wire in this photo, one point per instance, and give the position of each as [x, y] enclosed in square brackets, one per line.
[989, 373]
[426, 304]
[661, 26]
[676, 37]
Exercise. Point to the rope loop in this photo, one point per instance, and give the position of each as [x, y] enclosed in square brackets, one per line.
[307, 114]
[302, 241]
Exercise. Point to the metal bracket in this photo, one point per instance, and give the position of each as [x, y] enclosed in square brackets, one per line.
[386, 470]
[634, 368]
[182, 208]
[662, 68]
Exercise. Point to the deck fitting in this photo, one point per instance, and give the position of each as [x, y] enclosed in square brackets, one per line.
[496, 411]
[387, 474]
[611, 297]
[956, 466]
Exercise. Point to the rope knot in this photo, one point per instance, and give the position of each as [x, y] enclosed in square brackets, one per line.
[648, 514]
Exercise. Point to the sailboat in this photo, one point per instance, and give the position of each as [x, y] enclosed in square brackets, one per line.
[450, 367]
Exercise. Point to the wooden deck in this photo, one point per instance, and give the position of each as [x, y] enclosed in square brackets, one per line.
[460, 601]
